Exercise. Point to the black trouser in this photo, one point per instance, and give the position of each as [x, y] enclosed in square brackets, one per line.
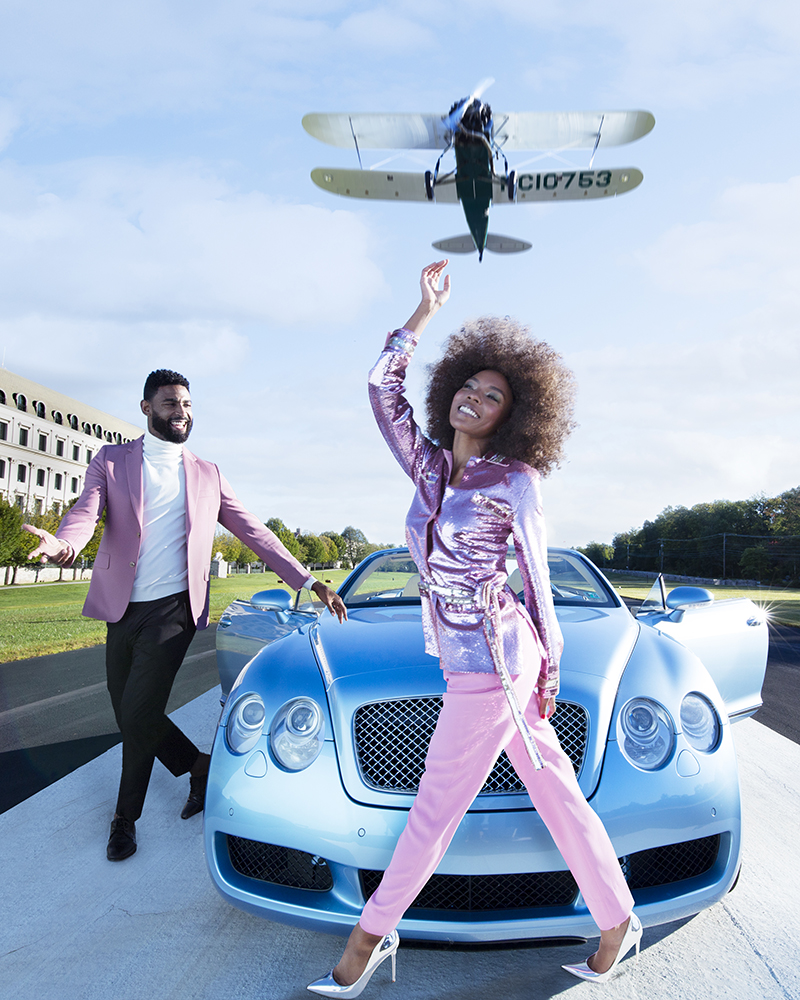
[144, 651]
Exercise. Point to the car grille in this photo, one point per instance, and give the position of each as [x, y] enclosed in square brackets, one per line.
[280, 865]
[527, 890]
[673, 863]
[392, 740]
[478, 893]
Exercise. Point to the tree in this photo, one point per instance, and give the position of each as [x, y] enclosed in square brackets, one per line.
[14, 545]
[229, 547]
[355, 541]
[316, 549]
[289, 539]
[600, 554]
[754, 562]
[337, 544]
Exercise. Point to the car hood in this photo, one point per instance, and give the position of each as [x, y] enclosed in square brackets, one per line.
[364, 661]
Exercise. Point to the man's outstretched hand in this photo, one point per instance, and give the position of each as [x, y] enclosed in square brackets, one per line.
[331, 600]
[50, 548]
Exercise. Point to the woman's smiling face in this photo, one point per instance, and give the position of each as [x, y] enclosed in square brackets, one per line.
[481, 405]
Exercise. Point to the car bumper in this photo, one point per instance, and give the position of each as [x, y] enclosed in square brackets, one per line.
[324, 842]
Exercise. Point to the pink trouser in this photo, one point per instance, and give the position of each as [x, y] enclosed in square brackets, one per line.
[474, 726]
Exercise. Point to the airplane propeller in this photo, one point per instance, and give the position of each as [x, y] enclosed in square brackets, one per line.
[453, 119]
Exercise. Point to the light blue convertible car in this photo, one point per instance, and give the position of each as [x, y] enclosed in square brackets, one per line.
[323, 735]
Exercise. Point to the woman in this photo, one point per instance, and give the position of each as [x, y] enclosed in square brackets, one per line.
[500, 406]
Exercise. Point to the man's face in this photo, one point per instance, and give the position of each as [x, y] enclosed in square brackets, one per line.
[169, 413]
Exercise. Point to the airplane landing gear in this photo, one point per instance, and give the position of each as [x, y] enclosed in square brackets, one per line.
[511, 185]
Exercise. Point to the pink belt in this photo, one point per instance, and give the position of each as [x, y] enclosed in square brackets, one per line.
[486, 598]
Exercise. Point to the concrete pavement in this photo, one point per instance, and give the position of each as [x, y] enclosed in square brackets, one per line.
[73, 926]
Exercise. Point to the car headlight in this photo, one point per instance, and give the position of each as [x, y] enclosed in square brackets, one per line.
[699, 722]
[245, 723]
[646, 733]
[297, 733]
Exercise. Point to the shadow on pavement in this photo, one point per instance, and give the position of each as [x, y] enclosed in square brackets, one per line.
[25, 772]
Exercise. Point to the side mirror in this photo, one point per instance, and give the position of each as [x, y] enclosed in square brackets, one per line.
[272, 600]
[685, 597]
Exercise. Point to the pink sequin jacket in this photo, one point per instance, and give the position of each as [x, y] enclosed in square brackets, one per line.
[458, 536]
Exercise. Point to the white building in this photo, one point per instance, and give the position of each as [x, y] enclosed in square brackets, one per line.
[46, 442]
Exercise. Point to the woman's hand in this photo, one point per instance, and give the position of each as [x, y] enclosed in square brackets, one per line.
[433, 297]
[547, 707]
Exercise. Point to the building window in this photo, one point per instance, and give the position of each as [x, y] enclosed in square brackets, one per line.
[20, 501]
[38, 409]
[42, 442]
[2, 468]
[88, 455]
[60, 449]
[40, 477]
[23, 436]
[37, 506]
[22, 402]
[2, 397]
[59, 481]
[57, 417]
[72, 420]
[3, 430]
[20, 473]
[76, 453]
[74, 484]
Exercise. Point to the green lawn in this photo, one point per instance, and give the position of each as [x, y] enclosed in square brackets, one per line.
[783, 605]
[36, 620]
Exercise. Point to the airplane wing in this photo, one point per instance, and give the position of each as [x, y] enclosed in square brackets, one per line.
[514, 130]
[376, 131]
[526, 130]
[567, 185]
[378, 184]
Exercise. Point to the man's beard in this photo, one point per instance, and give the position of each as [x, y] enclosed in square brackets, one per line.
[168, 432]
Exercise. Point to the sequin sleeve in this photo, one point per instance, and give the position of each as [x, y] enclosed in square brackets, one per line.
[530, 543]
[392, 410]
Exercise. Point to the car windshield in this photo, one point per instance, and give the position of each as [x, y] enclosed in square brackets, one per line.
[392, 578]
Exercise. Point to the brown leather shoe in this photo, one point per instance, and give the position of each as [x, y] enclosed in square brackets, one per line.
[122, 841]
[197, 796]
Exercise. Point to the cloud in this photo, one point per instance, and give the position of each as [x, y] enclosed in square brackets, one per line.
[704, 404]
[113, 240]
[383, 32]
[750, 247]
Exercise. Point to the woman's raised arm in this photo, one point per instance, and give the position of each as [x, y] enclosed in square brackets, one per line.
[433, 297]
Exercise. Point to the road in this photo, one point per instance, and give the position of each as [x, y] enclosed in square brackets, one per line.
[781, 690]
[55, 714]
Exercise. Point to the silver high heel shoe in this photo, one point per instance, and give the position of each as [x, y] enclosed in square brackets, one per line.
[328, 987]
[633, 937]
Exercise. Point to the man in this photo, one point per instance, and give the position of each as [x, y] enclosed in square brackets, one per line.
[150, 583]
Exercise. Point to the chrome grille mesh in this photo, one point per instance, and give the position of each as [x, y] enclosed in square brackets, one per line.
[392, 737]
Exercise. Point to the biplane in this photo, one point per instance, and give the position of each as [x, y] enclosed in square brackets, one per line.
[481, 176]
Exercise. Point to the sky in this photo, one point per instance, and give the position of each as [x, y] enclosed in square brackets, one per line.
[156, 210]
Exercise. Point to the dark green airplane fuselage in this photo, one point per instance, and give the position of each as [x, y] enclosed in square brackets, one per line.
[474, 186]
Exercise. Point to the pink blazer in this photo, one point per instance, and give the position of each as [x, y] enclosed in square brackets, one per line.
[114, 484]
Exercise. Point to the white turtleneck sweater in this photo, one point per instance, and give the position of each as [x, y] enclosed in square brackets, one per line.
[162, 567]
